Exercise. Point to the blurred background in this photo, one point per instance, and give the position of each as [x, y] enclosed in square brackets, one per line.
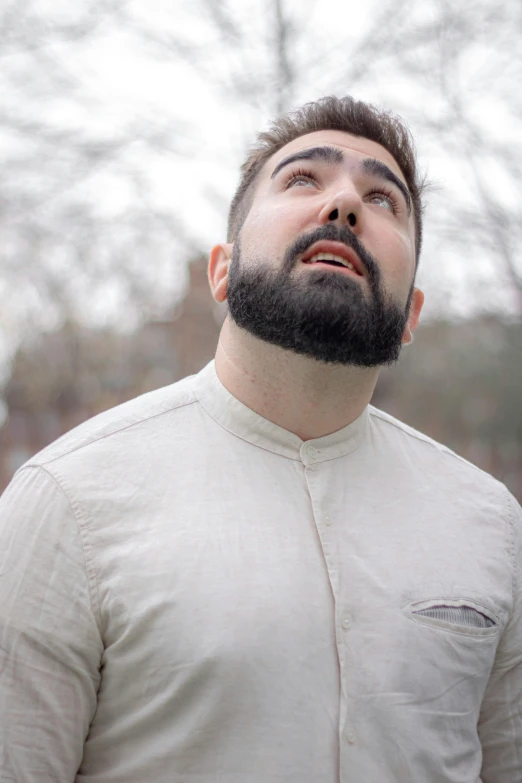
[122, 128]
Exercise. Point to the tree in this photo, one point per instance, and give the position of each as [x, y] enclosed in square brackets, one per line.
[96, 221]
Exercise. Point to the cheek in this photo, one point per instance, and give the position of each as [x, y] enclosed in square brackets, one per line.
[395, 251]
[260, 240]
[275, 228]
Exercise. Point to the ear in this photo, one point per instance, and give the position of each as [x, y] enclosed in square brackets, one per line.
[417, 300]
[218, 264]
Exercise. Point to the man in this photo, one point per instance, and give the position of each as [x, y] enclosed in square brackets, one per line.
[253, 575]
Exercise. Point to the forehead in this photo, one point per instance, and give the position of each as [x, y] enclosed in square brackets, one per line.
[354, 148]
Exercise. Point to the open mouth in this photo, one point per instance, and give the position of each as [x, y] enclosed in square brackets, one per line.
[332, 260]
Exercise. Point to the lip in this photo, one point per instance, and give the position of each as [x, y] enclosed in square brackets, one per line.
[337, 249]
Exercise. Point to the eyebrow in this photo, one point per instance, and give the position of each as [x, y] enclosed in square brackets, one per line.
[325, 153]
[381, 170]
[333, 156]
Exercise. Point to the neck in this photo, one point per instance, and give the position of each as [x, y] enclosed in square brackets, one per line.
[304, 396]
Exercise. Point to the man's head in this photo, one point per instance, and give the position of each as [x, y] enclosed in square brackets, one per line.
[324, 234]
[331, 113]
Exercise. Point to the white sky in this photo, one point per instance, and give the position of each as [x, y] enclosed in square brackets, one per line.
[124, 84]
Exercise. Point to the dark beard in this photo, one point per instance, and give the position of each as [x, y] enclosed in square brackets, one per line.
[323, 314]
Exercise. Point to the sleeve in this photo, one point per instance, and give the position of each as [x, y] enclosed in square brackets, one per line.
[50, 645]
[500, 724]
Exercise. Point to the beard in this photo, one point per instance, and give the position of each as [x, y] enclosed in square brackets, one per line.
[325, 315]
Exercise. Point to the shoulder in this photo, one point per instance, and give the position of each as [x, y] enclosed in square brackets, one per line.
[437, 476]
[429, 456]
[139, 413]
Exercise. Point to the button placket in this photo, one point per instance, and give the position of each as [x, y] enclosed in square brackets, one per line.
[346, 621]
[312, 452]
[349, 735]
[326, 521]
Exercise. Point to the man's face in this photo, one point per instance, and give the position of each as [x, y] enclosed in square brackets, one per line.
[325, 261]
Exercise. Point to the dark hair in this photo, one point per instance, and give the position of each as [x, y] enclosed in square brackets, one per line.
[330, 113]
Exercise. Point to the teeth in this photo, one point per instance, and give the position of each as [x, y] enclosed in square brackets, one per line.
[330, 257]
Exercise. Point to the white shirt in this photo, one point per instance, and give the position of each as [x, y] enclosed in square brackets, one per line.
[190, 593]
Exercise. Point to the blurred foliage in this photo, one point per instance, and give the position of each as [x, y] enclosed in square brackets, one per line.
[122, 126]
[462, 380]
[460, 383]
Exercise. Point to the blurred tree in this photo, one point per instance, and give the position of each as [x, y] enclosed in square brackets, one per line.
[459, 383]
[85, 234]
[61, 378]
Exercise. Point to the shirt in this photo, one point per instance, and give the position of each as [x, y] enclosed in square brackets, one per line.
[190, 594]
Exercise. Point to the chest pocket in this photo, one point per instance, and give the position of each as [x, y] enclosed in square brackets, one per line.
[461, 616]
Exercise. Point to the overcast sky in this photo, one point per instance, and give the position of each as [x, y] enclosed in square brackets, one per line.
[113, 80]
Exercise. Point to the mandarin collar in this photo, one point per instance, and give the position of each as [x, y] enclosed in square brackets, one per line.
[237, 418]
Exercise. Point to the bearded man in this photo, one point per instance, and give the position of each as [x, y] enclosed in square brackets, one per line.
[253, 574]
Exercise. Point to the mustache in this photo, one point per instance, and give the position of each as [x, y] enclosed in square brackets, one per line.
[334, 234]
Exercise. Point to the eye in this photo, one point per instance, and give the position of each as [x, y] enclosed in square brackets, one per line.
[301, 179]
[382, 198]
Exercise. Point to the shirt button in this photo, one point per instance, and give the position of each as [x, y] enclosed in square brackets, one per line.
[312, 451]
[349, 736]
[347, 621]
[327, 521]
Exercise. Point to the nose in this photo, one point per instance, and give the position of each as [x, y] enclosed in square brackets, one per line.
[343, 208]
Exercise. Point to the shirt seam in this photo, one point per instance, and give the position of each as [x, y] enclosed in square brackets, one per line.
[90, 572]
[407, 430]
[274, 451]
[324, 460]
[514, 575]
[244, 438]
[110, 434]
[412, 433]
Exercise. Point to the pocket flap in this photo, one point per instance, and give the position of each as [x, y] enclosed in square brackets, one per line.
[458, 615]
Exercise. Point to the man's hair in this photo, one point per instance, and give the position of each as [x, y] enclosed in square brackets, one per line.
[330, 113]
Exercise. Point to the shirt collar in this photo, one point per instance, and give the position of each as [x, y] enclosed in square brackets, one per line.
[243, 422]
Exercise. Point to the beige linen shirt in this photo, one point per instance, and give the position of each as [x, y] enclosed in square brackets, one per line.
[191, 594]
